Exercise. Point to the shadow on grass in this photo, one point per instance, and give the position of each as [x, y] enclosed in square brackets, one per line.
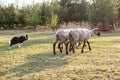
[36, 63]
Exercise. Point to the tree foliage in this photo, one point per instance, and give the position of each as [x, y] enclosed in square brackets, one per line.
[52, 21]
[33, 17]
[103, 11]
[58, 11]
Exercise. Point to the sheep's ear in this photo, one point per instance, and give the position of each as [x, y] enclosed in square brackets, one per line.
[95, 29]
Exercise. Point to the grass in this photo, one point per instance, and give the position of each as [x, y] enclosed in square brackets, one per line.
[35, 59]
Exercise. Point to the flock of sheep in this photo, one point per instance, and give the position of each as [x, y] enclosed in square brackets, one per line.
[74, 37]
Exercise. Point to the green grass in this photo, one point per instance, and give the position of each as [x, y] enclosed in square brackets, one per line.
[35, 59]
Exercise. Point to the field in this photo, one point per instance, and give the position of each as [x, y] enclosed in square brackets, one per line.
[35, 59]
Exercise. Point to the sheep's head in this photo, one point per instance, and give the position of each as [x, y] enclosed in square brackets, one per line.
[97, 31]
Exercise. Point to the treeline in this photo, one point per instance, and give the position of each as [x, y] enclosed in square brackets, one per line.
[58, 11]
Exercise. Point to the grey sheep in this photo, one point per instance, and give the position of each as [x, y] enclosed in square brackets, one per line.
[61, 37]
[81, 35]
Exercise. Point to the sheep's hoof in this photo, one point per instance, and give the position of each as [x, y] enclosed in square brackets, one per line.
[54, 53]
[73, 51]
[60, 51]
[77, 47]
[81, 51]
[70, 50]
[66, 53]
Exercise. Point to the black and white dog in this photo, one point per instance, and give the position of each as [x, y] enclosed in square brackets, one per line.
[18, 40]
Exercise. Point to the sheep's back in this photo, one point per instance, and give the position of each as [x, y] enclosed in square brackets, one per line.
[84, 34]
[67, 31]
[87, 34]
[75, 35]
[60, 35]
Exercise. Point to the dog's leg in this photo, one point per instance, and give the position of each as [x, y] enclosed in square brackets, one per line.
[19, 45]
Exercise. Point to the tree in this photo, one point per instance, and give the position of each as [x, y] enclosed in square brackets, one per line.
[22, 13]
[52, 21]
[103, 11]
[42, 13]
[1, 16]
[63, 13]
[119, 12]
[33, 18]
[73, 10]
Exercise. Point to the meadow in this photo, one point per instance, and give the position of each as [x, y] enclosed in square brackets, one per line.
[35, 59]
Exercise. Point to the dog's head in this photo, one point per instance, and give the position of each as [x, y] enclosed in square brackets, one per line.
[26, 37]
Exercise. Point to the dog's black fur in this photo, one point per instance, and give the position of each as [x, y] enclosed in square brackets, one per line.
[16, 40]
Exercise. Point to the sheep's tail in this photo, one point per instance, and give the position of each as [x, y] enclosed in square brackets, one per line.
[70, 35]
[57, 37]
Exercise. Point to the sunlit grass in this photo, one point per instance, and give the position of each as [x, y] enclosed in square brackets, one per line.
[35, 59]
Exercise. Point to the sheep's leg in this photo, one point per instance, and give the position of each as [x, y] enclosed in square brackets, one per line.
[54, 44]
[66, 46]
[73, 46]
[73, 49]
[59, 46]
[83, 46]
[79, 43]
[89, 45]
[70, 47]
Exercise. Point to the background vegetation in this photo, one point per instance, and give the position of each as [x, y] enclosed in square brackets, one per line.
[50, 14]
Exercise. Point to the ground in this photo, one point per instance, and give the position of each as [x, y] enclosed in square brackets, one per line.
[35, 59]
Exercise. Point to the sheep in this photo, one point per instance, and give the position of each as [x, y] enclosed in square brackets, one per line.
[61, 36]
[82, 35]
[16, 40]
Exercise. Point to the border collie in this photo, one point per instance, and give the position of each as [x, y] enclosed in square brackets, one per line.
[16, 40]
